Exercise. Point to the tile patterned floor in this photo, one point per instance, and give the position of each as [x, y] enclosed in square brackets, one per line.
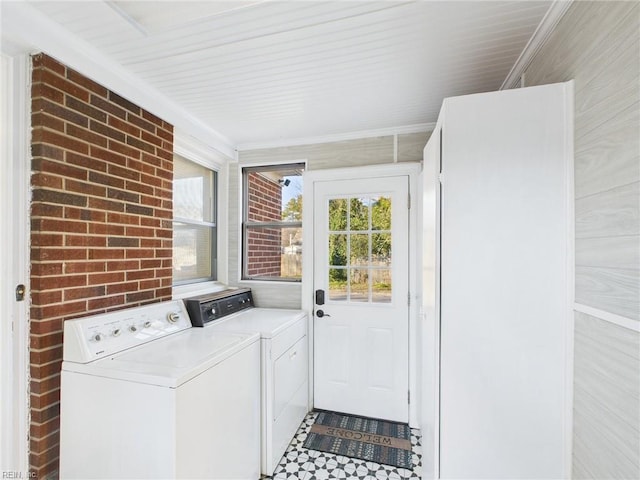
[299, 463]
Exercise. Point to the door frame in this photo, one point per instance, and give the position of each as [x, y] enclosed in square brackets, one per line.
[14, 191]
[412, 171]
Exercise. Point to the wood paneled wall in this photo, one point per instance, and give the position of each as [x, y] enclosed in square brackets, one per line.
[347, 153]
[598, 45]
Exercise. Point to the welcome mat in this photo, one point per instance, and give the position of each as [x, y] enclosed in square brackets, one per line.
[369, 439]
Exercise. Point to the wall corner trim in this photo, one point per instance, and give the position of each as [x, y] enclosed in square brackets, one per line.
[542, 33]
[619, 320]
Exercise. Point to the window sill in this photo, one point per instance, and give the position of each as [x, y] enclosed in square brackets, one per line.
[194, 289]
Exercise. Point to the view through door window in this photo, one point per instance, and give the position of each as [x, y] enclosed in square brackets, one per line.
[360, 249]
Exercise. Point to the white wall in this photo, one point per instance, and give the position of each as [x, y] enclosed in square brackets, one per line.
[598, 45]
[347, 153]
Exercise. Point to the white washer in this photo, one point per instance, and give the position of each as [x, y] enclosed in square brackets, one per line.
[144, 395]
[285, 364]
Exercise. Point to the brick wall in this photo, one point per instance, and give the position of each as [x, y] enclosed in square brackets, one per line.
[101, 212]
[264, 244]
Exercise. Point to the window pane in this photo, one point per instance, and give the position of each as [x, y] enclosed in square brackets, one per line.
[338, 214]
[191, 252]
[381, 286]
[381, 249]
[359, 214]
[291, 260]
[381, 213]
[359, 249]
[359, 285]
[274, 195]
[193, 191]
[337, 284]
[274, 252]
[338, 249]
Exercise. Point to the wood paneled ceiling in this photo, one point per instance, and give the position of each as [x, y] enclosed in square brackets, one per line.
[262, 71]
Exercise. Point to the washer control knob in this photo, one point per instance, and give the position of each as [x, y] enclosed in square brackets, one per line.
[133, 329]
[147, 324]
[116, 332]
[173, 317]
[97, 337]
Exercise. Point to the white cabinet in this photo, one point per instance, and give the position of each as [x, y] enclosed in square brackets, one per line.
[497, 283]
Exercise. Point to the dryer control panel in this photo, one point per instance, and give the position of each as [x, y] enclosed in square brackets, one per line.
[208, 308]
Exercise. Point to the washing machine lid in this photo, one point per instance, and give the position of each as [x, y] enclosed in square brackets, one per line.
[269, 322]
[170, 361]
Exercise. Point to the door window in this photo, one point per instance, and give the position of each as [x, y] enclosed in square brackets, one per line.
[360, 249]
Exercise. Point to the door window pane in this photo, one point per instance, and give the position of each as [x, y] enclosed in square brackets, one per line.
[381, 249]
[338, 249]
[381, 213]
[338, 214]
[361, 250]
[337, 284]
[358, 214]
[381, 286]
[359, 285]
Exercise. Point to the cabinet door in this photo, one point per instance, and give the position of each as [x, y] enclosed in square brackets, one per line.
[504, 299]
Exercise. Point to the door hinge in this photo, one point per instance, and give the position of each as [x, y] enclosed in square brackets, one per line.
[408, 299]
[408, 396]
[441, 178]
[408, 201]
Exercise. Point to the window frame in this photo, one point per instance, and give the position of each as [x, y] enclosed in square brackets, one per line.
[197, 152]
[247, 225]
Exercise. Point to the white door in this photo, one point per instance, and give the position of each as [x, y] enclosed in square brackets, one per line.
[361, 260]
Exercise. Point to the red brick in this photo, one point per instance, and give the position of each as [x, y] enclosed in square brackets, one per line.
[107, 131]
[84, 241]
[42, 120]
[145, 125]
[86, 83]
[136, 297]
[124, 126]
[41, 90]
[125, 150]
[105, 278]
[104, 303]
[54, 80]
[106, 229]
[106, 253]
[108, 155]
[47, 181]
[59, 111]
[122, 287]
[86, 135]
[42, 61]
[85, 109]
[124, 103]
[84, 292]
[39, 387]
[108, 107]
[85, 188]
[123, 265]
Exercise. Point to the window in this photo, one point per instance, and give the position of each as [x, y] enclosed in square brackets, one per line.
[194, 222]
[272, 222]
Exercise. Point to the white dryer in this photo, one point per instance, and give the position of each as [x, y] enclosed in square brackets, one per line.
[144, 395]
[284, 358]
